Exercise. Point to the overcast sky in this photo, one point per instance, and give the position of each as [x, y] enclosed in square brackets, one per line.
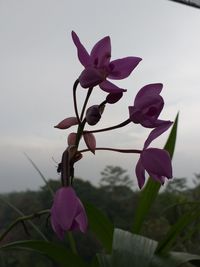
[38, 66]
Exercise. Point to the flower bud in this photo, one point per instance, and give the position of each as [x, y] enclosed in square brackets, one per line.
[71, 140]
[93, 115]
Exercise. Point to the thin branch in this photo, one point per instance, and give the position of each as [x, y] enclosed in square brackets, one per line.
[86, 101]
[22, 220]
[114, 150]
[75, 101]
[22, 214]
[122, 124]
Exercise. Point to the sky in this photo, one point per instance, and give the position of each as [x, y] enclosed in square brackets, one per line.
[39, 64]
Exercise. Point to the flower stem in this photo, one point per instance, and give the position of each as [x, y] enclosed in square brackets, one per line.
[122, 124]
[80, 132]
[86, 101]
[72, 243]
[75, 102]
[65, 175]
[114, 149]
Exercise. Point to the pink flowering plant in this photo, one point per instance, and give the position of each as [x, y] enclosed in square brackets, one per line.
[68, 214]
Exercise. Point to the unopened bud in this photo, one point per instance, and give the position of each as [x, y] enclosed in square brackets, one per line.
[93, 115]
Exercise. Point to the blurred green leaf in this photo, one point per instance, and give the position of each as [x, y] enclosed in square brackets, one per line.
[100, 226]
[104, 260]
[40, 173]
[134, 250]
[151, 189]
[55, 252]
[94, 262]
[186, 219]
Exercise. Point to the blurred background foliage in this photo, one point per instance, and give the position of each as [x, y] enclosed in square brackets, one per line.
[117, 198]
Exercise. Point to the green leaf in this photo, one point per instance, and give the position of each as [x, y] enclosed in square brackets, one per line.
[100, 225]
[166, 244]
[94, 262]
[104, 260]
[40, 173]
[55, 252]
[151, 189]
[134, 250]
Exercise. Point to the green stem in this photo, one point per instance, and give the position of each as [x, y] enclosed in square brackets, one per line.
[72, 243]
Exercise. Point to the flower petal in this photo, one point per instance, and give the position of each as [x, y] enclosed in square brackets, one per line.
[81, 218]
[110, 87]
[140, 173]
[122, 68]
[56, 227]
[66, 123]
[101, 52]
[90, 141]
[160, 179]
[153, 123]
[149, 90]
[157, 132]
[83, 55]
[157, 161]
[65, 207]
[90, 77]
[113, 98]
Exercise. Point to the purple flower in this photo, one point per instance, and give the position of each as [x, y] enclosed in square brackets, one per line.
[147, 106]
[155, 161]
[67, 212]
[98, 66]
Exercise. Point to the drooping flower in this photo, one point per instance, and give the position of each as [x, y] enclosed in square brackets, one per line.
[155, 161]
[147, 106]
[67, 212]
[98, 66]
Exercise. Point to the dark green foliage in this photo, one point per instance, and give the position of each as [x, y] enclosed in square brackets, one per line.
[118, 204]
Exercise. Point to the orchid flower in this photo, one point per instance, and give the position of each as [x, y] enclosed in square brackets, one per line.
[147, 106]
[155, 161]
[67, 212]
[98, 67]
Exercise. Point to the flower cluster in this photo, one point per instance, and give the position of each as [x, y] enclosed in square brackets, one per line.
[68, 212]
